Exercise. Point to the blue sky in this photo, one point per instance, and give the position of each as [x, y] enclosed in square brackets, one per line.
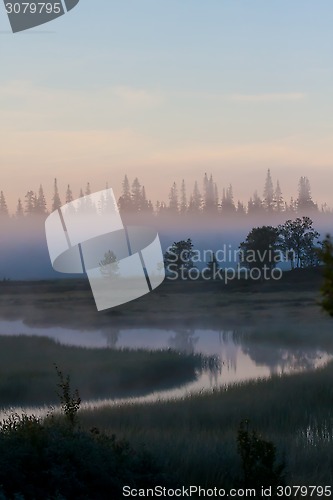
[166, 89]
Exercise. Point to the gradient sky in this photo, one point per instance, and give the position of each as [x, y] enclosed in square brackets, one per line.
[166, 89]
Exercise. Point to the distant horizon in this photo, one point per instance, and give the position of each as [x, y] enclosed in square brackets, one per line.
[62, 187]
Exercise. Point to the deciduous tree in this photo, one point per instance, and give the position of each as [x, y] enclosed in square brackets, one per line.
[260, 249]
[297, 242]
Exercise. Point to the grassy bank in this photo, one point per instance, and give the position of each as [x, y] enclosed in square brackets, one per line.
[196, 436]
[27, 370]
[293, 300]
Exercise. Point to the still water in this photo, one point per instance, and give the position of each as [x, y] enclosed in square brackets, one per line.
[235, 357]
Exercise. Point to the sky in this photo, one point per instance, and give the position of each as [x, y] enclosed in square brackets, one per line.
[169, 89]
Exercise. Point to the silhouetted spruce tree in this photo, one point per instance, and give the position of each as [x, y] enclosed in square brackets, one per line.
[183, 199]
[56, 202]
[19, 209]
[227, 204]
[292, 207]
[136, 196]
[3, 205]
[304, 200]
[109, 204]
[144, 198]
[163, 209]
[80, 206]
[88, 204]
[255, 205]
[150, 207]
[147, 205]
[209, 202]
[88, 189]
[268, 199]
[30, 203]
[240, 209]
[69, 194]
[173, 199]
[195, 204]
[279, 204]
[216, 197]
[40, 204]
[125, 201]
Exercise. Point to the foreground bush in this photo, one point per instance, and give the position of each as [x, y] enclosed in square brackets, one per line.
[53, 459]
[49, 460]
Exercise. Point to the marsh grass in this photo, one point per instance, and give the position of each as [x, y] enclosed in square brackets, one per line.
[27, 370]
[197, 304]
[196, 435]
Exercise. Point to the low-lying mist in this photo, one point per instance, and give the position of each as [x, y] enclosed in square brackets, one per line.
[24, 253]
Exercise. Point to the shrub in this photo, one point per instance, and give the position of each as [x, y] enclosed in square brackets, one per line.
[258, 460]
[54, 459]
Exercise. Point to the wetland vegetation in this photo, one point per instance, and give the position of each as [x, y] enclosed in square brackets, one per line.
[193, 438]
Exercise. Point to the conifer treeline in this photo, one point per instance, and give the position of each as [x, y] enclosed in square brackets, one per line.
[134, 200]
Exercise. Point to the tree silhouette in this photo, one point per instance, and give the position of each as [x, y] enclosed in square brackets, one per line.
[173, 199]
[297, 241]
[278, 201]
[108, 266]
[88, 189]
[254, 205]
[30, 203]
[210, 201]
[56, 202]
[146, 205]
[136, 196]
[69, 194]
[3, 205]
[227, 204]
[258, 458]
[268, 200]
[19, 209]
[40, 202]
[134, 200]
[326, 256]
[183, 199]
[304, 200]
[179, 258]
[195, 200]
[260, 249]
[125, 200]
[241, 209]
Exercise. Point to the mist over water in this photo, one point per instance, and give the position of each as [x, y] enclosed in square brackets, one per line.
[24, 253]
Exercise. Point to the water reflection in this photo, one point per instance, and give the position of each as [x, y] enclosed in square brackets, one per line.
[283, 360]
[112, 337]
[233, 356]
[183, 340]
